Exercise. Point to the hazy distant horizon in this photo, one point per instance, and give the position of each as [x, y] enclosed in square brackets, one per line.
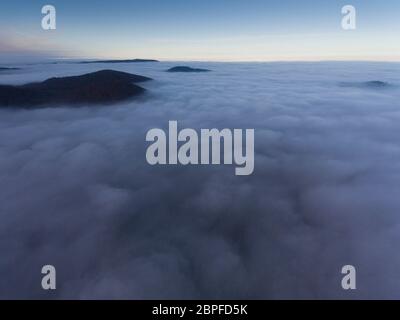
[266, 30]
[75, 60]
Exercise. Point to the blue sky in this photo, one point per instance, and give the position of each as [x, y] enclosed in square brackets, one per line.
[221, 30]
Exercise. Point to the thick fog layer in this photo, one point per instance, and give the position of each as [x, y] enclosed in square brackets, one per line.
[77, 192]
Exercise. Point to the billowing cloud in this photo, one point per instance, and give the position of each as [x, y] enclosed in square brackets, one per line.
[78, 193]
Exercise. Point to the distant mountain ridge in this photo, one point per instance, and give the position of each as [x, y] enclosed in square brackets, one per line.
[6, 69]
[119, 61]
[186, 69]
[374, 84]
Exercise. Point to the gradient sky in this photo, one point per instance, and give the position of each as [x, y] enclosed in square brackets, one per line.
[221, 30]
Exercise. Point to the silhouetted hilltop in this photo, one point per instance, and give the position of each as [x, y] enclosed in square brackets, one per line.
[8, 69]
[120, 61]
[99, 87]
[375, 84]
[186, 69]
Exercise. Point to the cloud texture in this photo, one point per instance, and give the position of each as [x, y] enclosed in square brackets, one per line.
[77, 192]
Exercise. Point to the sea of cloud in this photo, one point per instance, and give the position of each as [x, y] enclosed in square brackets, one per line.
[77, 192]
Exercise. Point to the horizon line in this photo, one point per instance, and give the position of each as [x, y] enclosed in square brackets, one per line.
[73, 59]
